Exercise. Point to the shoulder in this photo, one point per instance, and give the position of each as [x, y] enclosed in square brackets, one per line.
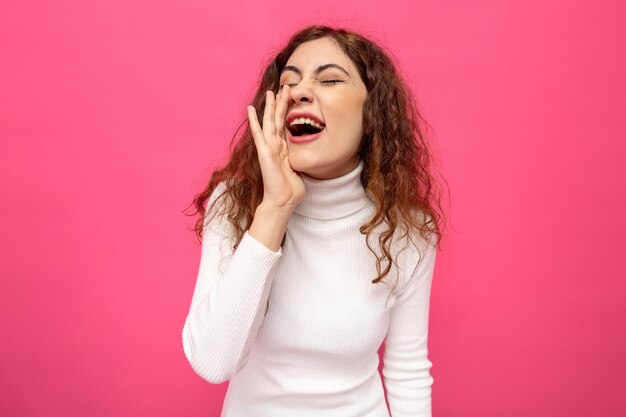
[220, 201]
[218, 206]
[219, 234]
[220, 191]
[414, 252]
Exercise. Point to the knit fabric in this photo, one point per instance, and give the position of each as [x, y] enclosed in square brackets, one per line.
[297, 331]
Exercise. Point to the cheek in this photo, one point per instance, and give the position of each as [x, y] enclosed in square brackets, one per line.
[353, 117]
[346, 116]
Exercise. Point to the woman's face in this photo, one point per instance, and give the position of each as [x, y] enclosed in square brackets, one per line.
[327, 88]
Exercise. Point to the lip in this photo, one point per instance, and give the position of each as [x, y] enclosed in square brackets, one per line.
[303, 138]
[296, 115]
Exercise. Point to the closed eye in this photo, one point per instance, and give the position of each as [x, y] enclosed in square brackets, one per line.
[326, 82]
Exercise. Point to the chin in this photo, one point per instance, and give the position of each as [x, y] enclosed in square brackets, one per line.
[316, 169]
[306, 164]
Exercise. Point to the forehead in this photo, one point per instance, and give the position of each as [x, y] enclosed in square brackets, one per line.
[312, 54]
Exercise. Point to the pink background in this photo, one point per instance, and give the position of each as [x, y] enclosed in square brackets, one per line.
[113, 113]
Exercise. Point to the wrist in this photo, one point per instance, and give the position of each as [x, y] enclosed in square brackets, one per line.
[275, 209]
[269, 225]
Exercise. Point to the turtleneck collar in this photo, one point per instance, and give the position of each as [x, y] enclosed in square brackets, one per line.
[334, 198]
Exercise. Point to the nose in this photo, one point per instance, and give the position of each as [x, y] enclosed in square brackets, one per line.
[301, 93]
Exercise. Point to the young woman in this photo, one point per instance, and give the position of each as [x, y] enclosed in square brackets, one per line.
[319, 242]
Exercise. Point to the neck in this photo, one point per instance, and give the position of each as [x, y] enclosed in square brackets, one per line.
[333, 198]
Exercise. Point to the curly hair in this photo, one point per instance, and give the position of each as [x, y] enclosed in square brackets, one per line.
[394, 148]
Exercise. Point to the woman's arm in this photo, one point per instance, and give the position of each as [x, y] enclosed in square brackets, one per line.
[406, 368]
[229, 298]
[228, 307]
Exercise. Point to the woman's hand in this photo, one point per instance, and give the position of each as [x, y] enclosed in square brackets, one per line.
[282, 186]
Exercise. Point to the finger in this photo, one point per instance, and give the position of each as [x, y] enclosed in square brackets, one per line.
[269, 128]
[255, 128]
[281, 111]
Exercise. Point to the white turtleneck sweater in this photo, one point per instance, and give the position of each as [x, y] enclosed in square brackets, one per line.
[297, 331]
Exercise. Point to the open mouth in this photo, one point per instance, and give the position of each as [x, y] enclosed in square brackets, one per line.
[304, 126]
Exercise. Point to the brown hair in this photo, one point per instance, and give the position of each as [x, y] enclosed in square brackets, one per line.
[394, 149]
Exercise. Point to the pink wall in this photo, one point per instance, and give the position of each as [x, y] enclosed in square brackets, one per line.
[111, 114]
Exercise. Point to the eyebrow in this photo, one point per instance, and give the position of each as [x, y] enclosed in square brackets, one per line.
[317, 70]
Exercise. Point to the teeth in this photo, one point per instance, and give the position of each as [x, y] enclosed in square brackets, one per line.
[303, 120]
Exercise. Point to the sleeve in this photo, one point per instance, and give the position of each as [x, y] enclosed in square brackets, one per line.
[406, 367]
[229, 300]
